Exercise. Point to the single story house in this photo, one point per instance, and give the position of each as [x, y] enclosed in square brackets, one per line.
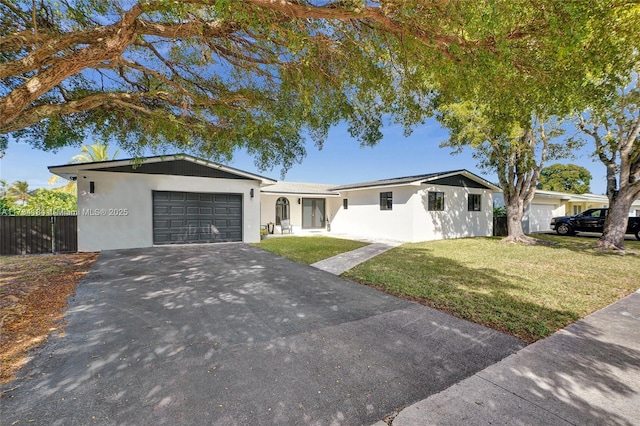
[413, 208]
[182, 199]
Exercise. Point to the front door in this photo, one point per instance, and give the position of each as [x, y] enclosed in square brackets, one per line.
[312, 213]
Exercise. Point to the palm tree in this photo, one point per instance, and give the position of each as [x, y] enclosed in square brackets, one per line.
[19, 190]
[88, 154]
[3, 188]
[93, 153]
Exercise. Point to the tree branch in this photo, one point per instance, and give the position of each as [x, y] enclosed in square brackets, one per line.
[14, 103]
[38, 113]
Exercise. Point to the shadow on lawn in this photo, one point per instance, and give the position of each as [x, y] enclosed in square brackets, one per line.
[584, 243]
[481, 295]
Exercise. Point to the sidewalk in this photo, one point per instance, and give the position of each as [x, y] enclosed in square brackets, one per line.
[345, 261]
[587, 373]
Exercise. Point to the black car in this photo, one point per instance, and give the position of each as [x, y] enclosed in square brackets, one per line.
[591, 220]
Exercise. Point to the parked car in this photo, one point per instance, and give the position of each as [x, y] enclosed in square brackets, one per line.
[591, 220]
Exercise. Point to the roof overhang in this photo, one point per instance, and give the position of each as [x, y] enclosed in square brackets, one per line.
[466, 174]
[71, 171]
[419, 181]
[416, 183]
[302, 194]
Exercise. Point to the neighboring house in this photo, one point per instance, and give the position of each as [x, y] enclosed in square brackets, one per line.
[162, 200]
[182, 199]
[548, 204]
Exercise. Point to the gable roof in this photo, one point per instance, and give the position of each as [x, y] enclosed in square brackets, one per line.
[173, 164]
[441, 178]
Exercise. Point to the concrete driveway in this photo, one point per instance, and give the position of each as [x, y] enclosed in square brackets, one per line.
[230, 334]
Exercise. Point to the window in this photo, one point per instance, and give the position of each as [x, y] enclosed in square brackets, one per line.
[386, 200]
[436, 201]
[345, 203]
[282, 210]
[474, 202]
[576, 210]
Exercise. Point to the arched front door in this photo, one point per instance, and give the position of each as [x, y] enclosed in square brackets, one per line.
[282, 210]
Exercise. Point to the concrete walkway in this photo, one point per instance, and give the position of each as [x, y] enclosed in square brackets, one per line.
[345, 261]
[585, 374]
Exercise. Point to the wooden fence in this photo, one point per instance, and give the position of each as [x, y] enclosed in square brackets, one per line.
[38, 234]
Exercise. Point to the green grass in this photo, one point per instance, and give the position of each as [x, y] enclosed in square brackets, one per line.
[527, 291]
[308, 250]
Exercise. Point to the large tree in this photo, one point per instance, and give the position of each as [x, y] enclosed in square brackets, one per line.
[516, 154]
[205, 76]
[615, 130]
[569, 178]
[212, 76]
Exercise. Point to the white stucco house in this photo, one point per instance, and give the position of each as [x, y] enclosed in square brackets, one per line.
[413, 208]
[182, 199]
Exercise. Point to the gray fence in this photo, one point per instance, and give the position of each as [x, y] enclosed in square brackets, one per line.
[38, 234]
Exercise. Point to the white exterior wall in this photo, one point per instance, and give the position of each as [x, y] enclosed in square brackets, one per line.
[268, 210]
[364, 217]
[410, 220]
[111, 228]
[455, 221]
[531, 221]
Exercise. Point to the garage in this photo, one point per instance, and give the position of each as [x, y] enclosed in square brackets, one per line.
[540, 217]
[196, 217]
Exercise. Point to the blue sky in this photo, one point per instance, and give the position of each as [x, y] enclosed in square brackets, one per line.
[340, 161]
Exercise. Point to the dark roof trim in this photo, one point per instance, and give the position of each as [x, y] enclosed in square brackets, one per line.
[69, 170]
[423, 179]
[387, 182]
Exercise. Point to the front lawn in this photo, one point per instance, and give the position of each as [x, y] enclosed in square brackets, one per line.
[308, 250]
[527, 291]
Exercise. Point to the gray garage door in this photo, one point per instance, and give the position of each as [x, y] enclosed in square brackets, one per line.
[190, 217]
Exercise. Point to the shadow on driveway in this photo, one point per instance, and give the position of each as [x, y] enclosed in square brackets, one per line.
[230, 334]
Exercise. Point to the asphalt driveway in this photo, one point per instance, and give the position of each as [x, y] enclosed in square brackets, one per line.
[229, 334]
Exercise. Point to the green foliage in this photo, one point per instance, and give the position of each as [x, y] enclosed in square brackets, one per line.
[19, 191]
[260, 81]
[569, 178]
[500, 211]
[3, 188]
[46, 202]
[7, 207]
[213, 77]
[613, 125]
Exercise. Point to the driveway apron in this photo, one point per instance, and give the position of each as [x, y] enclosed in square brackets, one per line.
[229, 334]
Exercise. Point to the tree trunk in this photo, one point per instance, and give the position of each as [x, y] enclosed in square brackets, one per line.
[615, 225]
[515, 213]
